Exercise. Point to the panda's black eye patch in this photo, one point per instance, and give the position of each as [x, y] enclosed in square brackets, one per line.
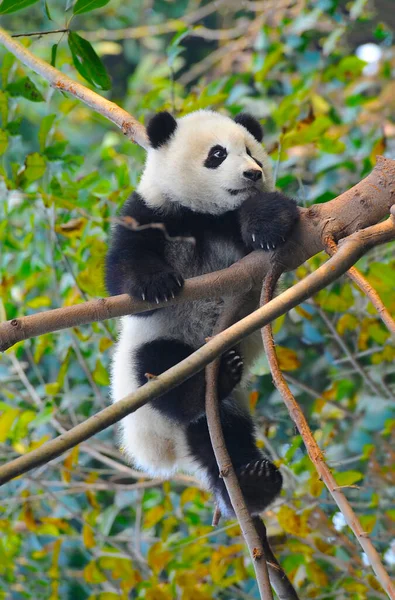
[248, 151]
[215, 157]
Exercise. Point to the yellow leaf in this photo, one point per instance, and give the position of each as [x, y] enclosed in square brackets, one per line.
[368, 522]
[100, 374]
[377, 150]
[254, 397]
[51, 389]
[153, 516]
[88, 537]
[93, 574]
[161, 591]
[28, 517]
[316, 574]
[292, 522]
[69, 462]
[104, 344]
[345, 322]
[6, 422]
[316, 486]
[72, 228]
[39, 302]
[54, 570]
[158, 557]
[319, 104]
[287, 358]
[188, 495]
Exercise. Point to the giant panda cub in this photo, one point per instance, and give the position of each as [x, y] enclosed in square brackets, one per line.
[206, 177]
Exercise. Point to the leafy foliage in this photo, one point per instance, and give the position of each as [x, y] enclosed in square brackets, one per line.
[88, 525]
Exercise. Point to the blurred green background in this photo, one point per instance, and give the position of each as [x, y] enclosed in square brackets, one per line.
[319, 75]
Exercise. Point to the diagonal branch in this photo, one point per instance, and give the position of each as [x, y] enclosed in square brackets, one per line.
[133, 130]
[314, 451]
[335, 218]
[350, 250]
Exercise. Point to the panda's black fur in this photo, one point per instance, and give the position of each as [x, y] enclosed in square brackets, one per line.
[207, 178]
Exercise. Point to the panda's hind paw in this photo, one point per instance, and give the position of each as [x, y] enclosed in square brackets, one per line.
[260, 482]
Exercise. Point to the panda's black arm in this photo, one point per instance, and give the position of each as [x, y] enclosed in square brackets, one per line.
[266, 219]
[135, 263]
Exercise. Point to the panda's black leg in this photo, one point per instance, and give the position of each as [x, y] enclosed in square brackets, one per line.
[186, 402]
[259, 478]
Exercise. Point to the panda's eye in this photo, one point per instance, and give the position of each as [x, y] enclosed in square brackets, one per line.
[220, 153]
[215, 157]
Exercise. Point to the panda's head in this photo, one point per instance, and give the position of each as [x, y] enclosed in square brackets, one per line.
[204, 161]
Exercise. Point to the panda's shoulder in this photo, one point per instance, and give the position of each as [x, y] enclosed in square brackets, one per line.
[136, 207]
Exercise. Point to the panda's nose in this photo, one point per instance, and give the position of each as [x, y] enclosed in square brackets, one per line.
[253, 174]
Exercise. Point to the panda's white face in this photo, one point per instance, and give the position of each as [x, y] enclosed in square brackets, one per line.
[208, 164]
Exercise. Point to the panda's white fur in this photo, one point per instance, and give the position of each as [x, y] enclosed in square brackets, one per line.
[175, 172]
[174, 180]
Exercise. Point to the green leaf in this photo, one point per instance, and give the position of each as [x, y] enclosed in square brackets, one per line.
[25, 87]
[8, 61]
[34, 167]
[82, 6]
[14, 127]
[54, 51]
[87, 62]
[100, 374]
[3, 141]
[3, 108]
[348, 477]
[46, 8]
[10, 6]
[174, 49]
[44, 130]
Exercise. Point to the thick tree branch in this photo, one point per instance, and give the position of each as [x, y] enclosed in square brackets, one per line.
[350, 250]
[335, 218]
[133, 130]
[314, 451]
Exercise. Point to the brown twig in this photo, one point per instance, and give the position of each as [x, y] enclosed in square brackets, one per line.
[336, 217]
[313, 449]
[133, 130]
[40, 33]
[363, 284]
[350, 250]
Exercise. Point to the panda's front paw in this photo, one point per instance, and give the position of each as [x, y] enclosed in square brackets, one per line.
[230, 372]
[263, 238]
[156, 287]
[267, 220]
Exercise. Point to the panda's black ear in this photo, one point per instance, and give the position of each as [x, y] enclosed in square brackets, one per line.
[251, 124]
[160, 129]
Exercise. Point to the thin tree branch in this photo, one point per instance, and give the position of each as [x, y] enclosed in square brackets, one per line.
[278, 578]
[40, 33]
[314, 451]
[133, 130]
[350, 250]
[336, 218]
[363, 284]
[226, 470]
